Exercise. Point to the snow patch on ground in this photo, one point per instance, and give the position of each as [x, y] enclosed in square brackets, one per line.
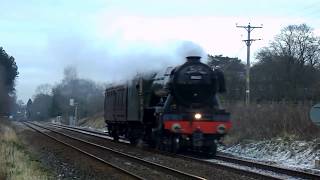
[104, 130]
[251, 169]
[282, 151]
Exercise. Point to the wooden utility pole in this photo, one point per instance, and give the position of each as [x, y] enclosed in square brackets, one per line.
[248, 42]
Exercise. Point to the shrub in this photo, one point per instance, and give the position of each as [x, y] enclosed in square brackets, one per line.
[263, 121]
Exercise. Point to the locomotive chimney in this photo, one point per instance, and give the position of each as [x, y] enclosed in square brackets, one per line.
[193, 58]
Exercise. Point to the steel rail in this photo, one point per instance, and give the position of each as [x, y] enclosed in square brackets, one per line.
[163, 168]
[86, 153]
[248, 163]
[282, 170]
[83, 129]
[215, 165]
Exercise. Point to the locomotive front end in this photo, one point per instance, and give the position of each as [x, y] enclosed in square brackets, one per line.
[193, 114]
[193, 84]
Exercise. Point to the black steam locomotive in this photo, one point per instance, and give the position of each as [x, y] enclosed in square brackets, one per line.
[175, 110]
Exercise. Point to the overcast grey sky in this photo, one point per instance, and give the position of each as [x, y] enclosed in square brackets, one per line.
[110, 40]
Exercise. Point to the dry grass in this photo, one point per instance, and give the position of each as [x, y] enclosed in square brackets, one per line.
[263, 121]
[96, 121]
[15, 161]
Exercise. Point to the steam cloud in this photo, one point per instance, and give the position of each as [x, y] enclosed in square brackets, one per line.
[114, 62]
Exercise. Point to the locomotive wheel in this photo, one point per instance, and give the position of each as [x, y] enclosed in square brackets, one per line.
[166, 144]
[211, 150]
[160, 145]
[113, 132]
[175, 144]
[115, 135]
[133, 140]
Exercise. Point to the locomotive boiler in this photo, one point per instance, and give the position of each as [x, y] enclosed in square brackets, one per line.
[176, 109]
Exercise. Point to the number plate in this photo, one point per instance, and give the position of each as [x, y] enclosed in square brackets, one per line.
[196, 77]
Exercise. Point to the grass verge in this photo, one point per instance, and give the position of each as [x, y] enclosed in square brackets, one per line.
[15, 161]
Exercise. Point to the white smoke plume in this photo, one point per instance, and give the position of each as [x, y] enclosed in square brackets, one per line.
[114, 62]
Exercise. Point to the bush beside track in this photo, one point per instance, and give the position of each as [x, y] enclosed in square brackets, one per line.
[269, 120]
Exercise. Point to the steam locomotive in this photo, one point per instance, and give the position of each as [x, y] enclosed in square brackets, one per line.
[176, 109]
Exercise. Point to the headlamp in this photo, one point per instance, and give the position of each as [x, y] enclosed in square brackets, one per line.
[197, 116]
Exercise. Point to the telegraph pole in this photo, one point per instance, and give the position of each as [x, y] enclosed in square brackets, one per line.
[248, 42]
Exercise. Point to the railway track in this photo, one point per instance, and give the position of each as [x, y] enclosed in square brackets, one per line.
[153, 170]
[247, 167]
[258, 165]
[269, 170]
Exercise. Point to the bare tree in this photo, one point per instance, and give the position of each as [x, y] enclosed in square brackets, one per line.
[86, 93]
[44, 89]
[298, 42]
[289, 68]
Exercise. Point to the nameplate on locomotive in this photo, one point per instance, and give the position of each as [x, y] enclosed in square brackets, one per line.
[196, 77]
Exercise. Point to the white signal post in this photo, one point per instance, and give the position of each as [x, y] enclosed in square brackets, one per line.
[73, 119]
[76, 114]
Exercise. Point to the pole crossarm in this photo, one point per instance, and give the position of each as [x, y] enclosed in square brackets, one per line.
[249, 27]
[250, 41]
